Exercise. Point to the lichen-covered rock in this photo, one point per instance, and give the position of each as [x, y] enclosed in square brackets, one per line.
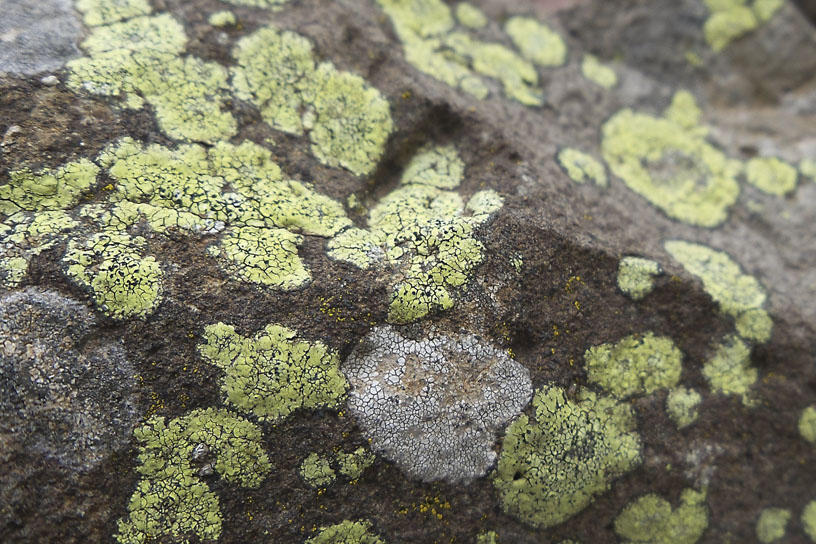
[407, 271]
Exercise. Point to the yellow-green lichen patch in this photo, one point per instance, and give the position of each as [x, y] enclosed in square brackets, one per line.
[637, 365]
[681, 405]
[348, 122]
[320, 471]
[772, 524]
[438, 167]
[553, 464]
[425, 234]
[809, 520]
[808, 168]
[222, 18]
[636, 276]
[489, 537]
[729, 370]
[316, 471]
[33, 214]
[57, 189]
[263, 256]
[738, 295]
[271, 80]
[651, 520]
[124, 283]
[25, 235]
[257, 3]
[470, 16]
[807, 424]
[536, 41]
[103, 12]
[170, 500]
[274, 373]
[667, 161]
[730, 19]
[581, 167]
[139, 60]
[346, 532]
[434, 46]
[771, 175]
[597, 72]
[234, 189]
[352, 465]
[518, 77]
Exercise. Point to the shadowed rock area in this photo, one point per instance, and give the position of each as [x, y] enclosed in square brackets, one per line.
[408, 271]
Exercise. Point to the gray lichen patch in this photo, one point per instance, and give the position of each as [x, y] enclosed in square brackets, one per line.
[63, 397]
[37, 36]
[433, 403]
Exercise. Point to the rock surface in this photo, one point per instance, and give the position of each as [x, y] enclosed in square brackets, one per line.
[209, 210]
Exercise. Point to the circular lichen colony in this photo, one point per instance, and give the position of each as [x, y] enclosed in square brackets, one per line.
[553, 464]
[433, 403]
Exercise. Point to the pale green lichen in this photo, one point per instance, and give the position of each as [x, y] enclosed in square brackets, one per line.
[807, 424]
[518, 77]
[438, 167]
[352, 465]
[427, 31]
[598, 73]
[536, 41]
[234, 189]
[682, 406]
[772, 524]
[263, 256]
[33, 213]
[636, 276]
[257, 3]
[729, 370]
[809, 520]
[321, 471]
[667, 161]
[637, 365]
[103, 12]
[651, 520]
[123, 282]
[24, 236]
[554, 463]
[489, 537]
[470, 16]
[771, 175]
[581, 167]
[171, 500]
[316, 471]
[222, 18]
[346, 532]
[347, 121]
[139, 59]
[730, 19]
[57, 189]
[738, 295]
[274, 373]
[423, 233]
[766, 9]
[808, 168]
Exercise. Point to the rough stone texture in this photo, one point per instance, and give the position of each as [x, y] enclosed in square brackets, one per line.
[37, 36]
[545, 286]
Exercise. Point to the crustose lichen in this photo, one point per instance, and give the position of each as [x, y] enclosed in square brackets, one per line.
[433, 403]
